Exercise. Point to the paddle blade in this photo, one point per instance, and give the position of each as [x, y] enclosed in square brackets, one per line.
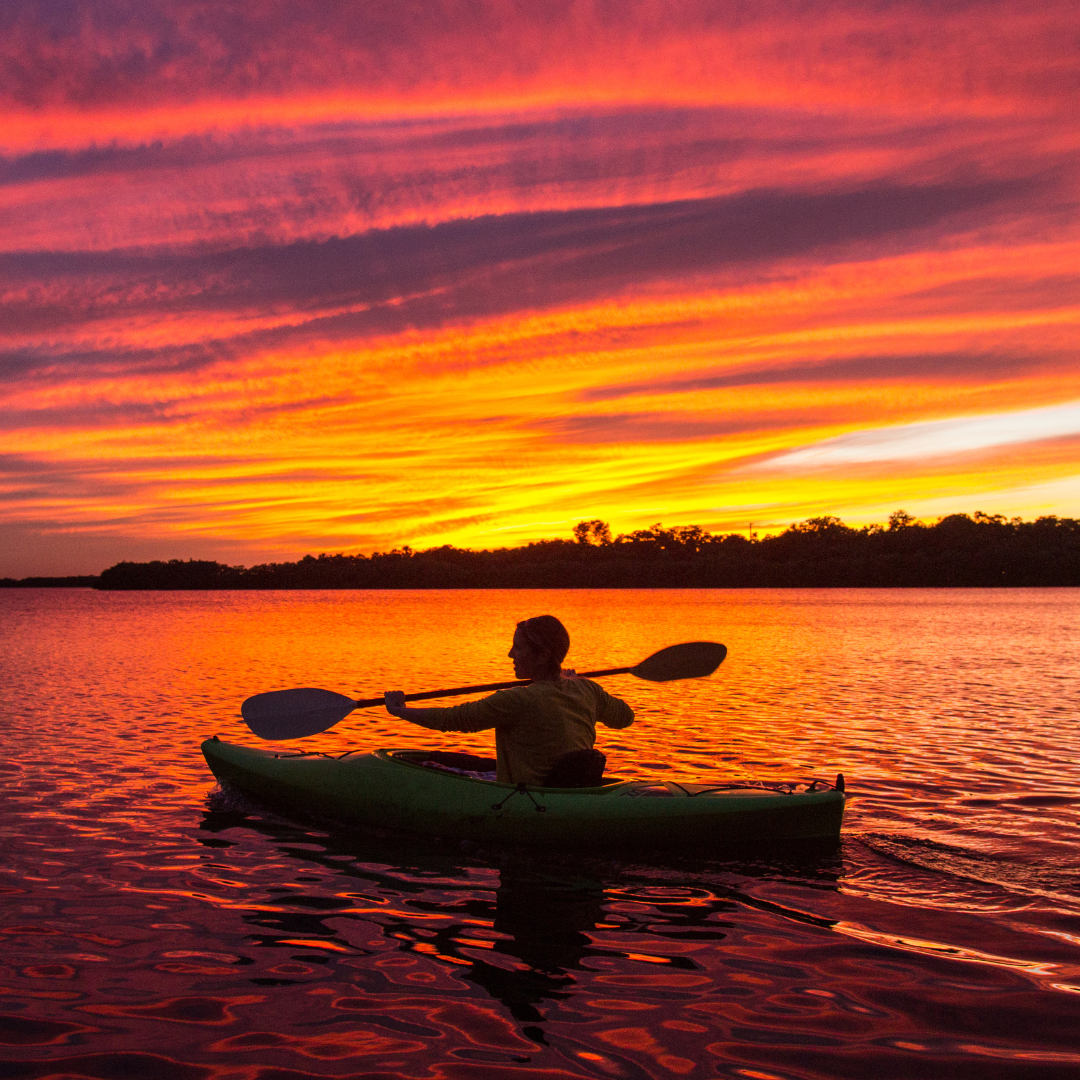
[294, 714]
[691, 660]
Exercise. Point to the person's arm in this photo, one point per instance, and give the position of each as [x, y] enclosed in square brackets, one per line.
[472, 716]
[611, 711]
[395, 706]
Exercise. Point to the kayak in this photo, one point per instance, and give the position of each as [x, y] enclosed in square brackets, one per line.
[412, 791]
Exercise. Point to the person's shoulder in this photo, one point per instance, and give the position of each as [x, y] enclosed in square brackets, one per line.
[591, 683]
[551, 688]
[502, 704]
[598, 692]
[585, 686]
[514, 693]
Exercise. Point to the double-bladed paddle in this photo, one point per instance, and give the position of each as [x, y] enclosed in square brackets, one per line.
[295, 714]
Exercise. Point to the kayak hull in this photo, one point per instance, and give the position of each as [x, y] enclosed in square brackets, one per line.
[389, 789]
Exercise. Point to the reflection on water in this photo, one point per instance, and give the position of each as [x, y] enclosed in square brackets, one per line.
[155, 926]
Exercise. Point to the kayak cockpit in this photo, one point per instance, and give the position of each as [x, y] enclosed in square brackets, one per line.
[471, 766]
[448, 761]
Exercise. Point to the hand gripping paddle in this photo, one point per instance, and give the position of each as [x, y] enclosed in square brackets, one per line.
[295, 714]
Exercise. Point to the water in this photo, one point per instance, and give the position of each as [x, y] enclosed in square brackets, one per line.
[153, 925]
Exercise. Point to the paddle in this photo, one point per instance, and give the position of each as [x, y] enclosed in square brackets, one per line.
[295, 714]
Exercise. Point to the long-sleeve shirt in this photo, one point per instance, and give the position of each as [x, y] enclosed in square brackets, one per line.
[536, 724]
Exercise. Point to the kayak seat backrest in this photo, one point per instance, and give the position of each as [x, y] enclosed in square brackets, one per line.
[579, 768]
[454, 760]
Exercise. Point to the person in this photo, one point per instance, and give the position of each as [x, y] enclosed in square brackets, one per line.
[535, 725]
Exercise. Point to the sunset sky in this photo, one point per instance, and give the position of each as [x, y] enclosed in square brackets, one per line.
[288, 277]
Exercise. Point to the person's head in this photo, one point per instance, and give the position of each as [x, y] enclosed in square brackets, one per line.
[540, 646]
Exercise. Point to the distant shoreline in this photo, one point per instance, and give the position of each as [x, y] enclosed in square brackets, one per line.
[981, 551]
[77, 582]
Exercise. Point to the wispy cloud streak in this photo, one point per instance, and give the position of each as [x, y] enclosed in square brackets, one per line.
[937, 438]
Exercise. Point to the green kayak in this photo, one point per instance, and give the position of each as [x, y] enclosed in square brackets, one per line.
[404, 789]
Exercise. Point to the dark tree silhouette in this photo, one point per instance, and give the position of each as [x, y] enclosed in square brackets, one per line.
[822, 552]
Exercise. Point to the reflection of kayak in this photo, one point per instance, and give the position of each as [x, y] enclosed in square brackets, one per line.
[394, 789]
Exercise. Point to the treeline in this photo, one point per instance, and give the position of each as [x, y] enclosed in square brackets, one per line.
[958, 550]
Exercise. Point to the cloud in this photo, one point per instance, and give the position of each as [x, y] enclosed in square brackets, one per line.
[935, 438]
[86, 55]
[927, 366]
[672, 427]
[420, 277]
[246, 186]
[130, 415]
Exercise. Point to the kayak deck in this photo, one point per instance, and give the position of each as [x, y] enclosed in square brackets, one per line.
[395, 789]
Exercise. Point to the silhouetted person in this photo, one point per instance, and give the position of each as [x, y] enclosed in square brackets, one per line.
[535, 725]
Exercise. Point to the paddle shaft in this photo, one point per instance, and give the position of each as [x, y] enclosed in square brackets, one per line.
[367, 703]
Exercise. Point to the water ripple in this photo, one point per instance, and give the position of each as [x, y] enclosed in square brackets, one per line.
[153, 925]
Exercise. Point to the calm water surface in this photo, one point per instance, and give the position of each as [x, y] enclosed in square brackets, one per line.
[153, 925]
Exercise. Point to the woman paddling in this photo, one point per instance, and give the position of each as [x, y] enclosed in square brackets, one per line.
[535, 725]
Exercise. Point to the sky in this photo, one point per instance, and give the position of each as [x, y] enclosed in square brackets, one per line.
[280, 278]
